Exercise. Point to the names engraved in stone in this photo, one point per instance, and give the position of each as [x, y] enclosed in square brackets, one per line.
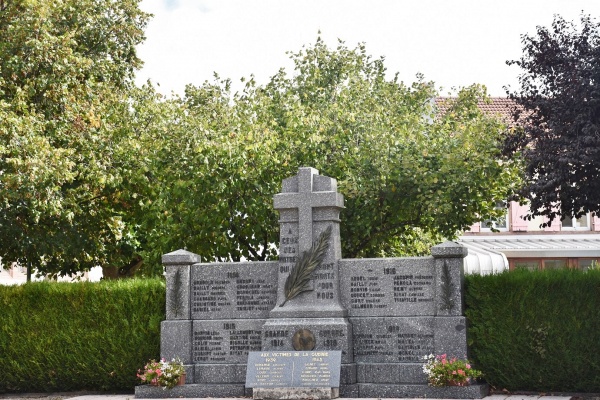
[392, 287]
[412, 288]
[254, 295]
[242, 341]
[393, 339]
[232, 292]
[208, 346]
[232, 342]
[366, 292]
[402, 347]
[209, 295]
[411, 346]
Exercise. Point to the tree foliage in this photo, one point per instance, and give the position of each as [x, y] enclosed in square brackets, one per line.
[65, 69]
[97, 172]
[409, 173]
[559, 109]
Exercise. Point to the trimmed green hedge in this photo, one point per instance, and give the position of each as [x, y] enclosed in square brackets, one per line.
[536, 331]
[530, 331]
[78, 336]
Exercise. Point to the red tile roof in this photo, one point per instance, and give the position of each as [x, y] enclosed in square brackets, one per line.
[497, 106]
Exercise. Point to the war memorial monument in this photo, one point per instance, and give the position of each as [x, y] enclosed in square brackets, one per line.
[313, 324]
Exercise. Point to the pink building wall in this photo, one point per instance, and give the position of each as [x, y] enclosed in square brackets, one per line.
[518, 224]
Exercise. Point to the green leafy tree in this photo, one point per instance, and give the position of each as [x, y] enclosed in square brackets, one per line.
[410, 174]
[559, 110]
[65, 70]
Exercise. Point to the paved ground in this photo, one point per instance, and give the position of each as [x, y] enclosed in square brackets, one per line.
[494, 397]
[76, 396]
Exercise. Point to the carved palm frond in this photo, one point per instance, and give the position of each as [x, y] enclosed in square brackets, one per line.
[447, 288]
[299, 278]
[175, 300]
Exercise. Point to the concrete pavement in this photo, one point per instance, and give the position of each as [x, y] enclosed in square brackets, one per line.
[132, 396]
[492, 397]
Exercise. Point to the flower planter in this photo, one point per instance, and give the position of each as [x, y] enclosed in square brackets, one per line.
[445, 371]
[456, 383]
[166, 374]
[181, 382]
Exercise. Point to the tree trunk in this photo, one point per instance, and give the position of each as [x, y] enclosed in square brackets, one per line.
[28, 272]
[127, 271]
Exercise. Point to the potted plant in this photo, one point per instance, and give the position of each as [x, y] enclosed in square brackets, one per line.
[442, 371]
[166, 374]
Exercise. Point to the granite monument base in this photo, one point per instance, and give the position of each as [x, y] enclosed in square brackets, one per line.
[191, 391]
[358, 390]
[295, 393]
[349, 391]
[220, 374]
[391, 373]
[386, 390]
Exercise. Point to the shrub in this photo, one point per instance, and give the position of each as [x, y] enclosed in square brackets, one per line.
[78, 336]
[536, 331]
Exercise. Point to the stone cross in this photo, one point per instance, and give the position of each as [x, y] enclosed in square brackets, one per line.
[308, 205]
[304, 192]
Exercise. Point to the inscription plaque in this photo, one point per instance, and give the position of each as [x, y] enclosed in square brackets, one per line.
[389, 287]
[293, 369]
[225, 341]
[229, 291]
[387, 340]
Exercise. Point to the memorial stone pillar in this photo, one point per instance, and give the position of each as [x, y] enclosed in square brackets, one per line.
[308, 315]
[309, 208]
[176, 330]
